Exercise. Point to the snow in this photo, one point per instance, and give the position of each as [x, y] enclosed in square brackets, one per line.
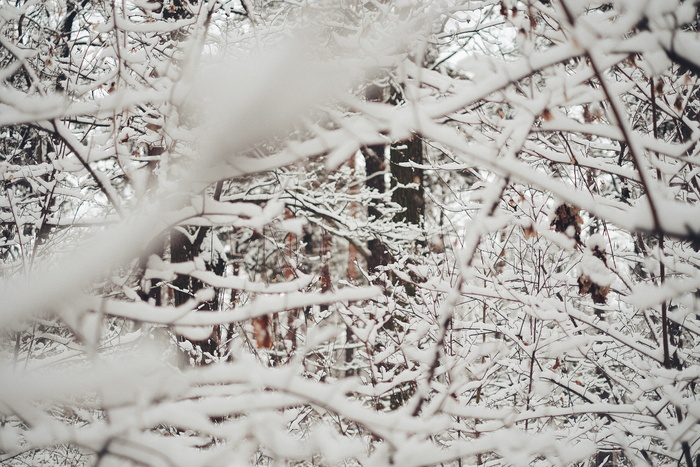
[494, 352]
[187, 315]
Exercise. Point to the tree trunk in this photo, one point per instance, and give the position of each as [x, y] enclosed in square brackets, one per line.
[409, 198]
[403, 176]
[375, 167]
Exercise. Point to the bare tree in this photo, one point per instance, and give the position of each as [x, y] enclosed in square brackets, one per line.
[457, 233]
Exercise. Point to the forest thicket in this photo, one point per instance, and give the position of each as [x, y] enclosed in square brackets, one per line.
[347, 232]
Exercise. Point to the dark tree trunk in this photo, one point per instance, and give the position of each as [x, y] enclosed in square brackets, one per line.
[183, 249]
[151, 290]
[409, 198]
[407, 182]
[375, 167]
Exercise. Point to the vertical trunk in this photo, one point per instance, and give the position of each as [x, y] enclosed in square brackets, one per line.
[407, 182]
[411, 198]
[403, 174]
[65, 28]
[185, 246]
[375, 168]
[152, 289]
[290, 274]
[181, 250]
[351, 273]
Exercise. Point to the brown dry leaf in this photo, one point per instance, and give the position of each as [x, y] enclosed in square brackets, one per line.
[261, 332]
[155, 150]
[678, 103]
[601, 255]
[530, 232]
[500, 266]
[599, 293]
[566, 216]
[584, 284]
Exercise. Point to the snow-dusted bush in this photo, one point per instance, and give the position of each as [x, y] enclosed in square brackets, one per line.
[349, 233]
